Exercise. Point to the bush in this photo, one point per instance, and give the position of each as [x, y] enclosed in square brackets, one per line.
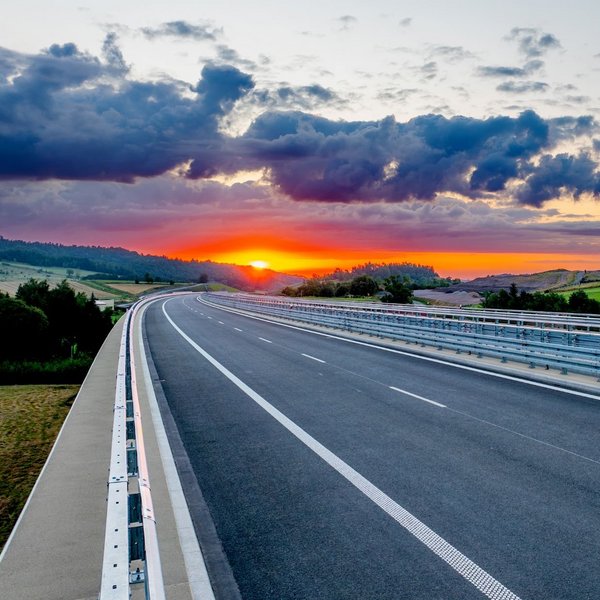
[68, 370]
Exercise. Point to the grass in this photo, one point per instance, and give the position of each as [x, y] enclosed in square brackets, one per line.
[592, 291]
[30, 418]
[60, 370]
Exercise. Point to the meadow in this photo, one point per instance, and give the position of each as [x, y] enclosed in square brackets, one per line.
[30, 419]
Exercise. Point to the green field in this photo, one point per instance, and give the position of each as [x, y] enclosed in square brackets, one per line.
[592, 290]
[30, 418]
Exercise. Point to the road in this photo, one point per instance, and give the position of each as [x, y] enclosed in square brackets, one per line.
[339, 470]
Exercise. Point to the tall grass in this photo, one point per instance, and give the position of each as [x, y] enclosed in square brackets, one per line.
[64, 370]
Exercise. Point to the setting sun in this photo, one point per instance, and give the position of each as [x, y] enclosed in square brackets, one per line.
[259, 264]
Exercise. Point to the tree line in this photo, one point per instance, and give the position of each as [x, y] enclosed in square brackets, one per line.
[393, 288]
[49, 335]
[513, 299]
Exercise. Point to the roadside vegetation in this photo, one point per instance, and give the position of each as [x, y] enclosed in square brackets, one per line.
[30, 418]
[390, 289]
[49, 335]
[575, 302]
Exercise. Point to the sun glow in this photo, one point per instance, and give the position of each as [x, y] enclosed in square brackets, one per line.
[259, 264]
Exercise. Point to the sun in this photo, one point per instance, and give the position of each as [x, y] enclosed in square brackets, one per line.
[259, 264]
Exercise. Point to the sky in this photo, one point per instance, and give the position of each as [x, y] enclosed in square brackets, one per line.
[462, 135]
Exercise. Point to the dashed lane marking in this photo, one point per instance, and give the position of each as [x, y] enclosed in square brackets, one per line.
[265, 340]
[313, 357]
[417, 396]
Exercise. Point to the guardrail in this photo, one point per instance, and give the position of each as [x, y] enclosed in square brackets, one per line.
[568, 342]
[131, 554]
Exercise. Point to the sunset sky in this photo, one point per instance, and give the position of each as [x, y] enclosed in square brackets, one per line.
[462, 135]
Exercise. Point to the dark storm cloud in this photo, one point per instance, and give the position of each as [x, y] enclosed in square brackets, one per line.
[575, 175]
[61, 119]
[315, 158]
[67, 115]
[182, 29]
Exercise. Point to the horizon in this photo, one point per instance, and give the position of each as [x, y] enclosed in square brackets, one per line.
[260, 264]
[377, 133]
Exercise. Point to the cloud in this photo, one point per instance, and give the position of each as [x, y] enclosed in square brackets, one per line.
[522, 87]
[533, 42]
[429, 70]
[305, 97]
[67, 115]
[64, 119]
[452, 54]
[112, 53]
[555, 175]
[182, 30]
[230, 56]
[530, 67]
[346, 22]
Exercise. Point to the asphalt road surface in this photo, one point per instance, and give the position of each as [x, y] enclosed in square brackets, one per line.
[337, 470]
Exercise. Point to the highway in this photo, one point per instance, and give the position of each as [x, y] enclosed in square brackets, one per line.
[340, 470]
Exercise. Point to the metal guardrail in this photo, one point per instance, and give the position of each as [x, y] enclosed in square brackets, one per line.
[131, 554]
[568, 342]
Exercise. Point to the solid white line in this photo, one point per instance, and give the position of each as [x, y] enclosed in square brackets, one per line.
[481, 579]
[313, 358]
[238, 329]
[417, 397]
[195, 566]
[439, 361]
[265, 340]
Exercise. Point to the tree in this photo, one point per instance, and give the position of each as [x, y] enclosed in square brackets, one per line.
[34, 293]
[398, 290]
[203, 278]
[24, 329]
[363, 286]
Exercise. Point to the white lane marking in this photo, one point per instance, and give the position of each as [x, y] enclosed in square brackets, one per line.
[417, 396]
[313, 357]
[220, 323]
[209, 317]
[238, 329]
[473, 573]
[438, 361]
[265, 340]
[195, 566]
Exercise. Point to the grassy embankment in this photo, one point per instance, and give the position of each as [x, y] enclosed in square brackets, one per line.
[30, 418]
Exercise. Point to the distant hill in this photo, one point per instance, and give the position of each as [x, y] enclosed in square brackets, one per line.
[118, 263]
[534, 282]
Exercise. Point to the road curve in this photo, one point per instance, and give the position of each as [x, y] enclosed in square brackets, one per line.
[334, 470]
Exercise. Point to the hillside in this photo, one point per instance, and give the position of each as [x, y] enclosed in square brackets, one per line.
[534, 282]
[119, 263]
